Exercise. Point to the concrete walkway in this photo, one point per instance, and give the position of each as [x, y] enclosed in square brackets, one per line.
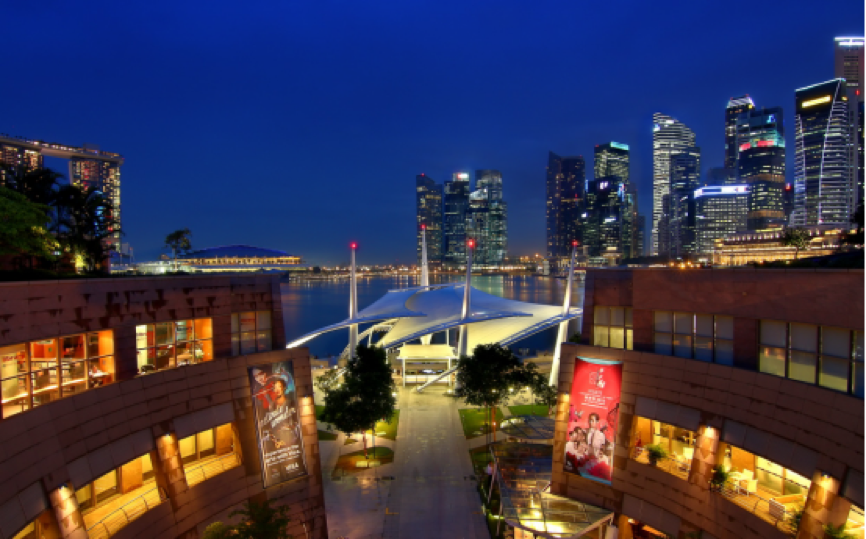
[432, 493]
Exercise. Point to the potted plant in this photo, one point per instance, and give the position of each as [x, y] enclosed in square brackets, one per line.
[655, 453]
[837, 532]
[719, 477]
[796, 517]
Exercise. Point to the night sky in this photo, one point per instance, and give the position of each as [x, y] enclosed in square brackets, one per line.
[301, 125]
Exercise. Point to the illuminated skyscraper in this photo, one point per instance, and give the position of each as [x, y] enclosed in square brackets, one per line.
[617, 225]
[669, 137]
[824, 188]
[566, 183]
[456, 204]
[487, 218]
[612, 159]
[719, 212]
[428, 203]
[736, 107]
[761, 148]
[849, 66]
[685, 178]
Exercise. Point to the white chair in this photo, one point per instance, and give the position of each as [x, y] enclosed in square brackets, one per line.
[748, 486]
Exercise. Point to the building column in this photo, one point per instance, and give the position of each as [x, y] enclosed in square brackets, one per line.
[67, 513]
[707, 449]
[823, 506]
[168, 468]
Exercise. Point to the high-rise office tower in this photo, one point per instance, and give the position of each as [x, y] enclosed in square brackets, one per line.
[824, 188]
[428, 204]
[456, 204]
[565, 192]
[487, 218]
[611, 159]
[761, 148]
[669, 137]
[849, 66]
[640, 236]
[720, 176]
[100, 174]
[685, 178]
[719, 212]
[22, 154]
[609, 218]
[736, 107]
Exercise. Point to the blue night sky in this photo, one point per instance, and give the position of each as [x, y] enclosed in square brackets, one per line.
[301, 125]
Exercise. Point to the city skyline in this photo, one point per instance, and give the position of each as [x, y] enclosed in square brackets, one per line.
[197, 115]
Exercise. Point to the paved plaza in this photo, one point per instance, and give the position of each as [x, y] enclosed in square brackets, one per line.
[428, 492]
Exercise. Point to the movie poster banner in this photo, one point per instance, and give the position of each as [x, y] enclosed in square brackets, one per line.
[281, 447]
[593, 414]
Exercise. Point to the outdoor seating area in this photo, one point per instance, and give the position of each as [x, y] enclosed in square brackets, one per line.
[675, 465]
[677, 445]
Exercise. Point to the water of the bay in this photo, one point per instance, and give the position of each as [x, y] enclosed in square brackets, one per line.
[310, 305]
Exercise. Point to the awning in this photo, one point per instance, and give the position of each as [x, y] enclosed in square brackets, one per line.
[418, 352]
[523, 472]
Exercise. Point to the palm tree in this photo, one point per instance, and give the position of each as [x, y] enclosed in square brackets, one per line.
[796, 237]
[86, 224]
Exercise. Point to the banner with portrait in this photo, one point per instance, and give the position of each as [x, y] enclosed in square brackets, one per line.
[593, 417]
[278, 427]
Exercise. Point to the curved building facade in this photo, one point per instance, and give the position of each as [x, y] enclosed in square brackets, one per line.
[133, 408]
[759, 371]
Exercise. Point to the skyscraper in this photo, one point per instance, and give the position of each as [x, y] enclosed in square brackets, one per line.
[456, 204]
[608, 206]
[761, 150]
[849, 66]
[612, 159]
[565, 191]
[669, 137]
[685, 178]
[719, 212]
[428, 204]
[489, 222]
[100, 174]
[736, 106]
[824, 188]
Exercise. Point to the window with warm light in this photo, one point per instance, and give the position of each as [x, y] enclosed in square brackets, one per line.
[166, 345]
[251, 332]
[612, 327]
[208, 453]
[678, 443]
[704, 337]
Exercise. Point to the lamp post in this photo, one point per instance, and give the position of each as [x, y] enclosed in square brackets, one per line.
[353, 304]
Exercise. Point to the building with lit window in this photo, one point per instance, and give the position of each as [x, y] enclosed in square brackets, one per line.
[456, 203]
[685, 177]
[824, 188]
[127, 407]
[757, 247]
[487, 218]
[736, 107]
[17, 153]
[670, 137]
[428, 212]
[682, 371]
[565, 204]
[761, 165]
[719, 212]
[239, 258]
[849, 65]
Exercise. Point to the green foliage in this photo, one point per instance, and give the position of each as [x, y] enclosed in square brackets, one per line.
[329, 380]
[218, 530]
[796, 237]
[261, 521]
[486, 377]
[837, 532]
[655, 453]
[543, 393]
[86, 223]
[366, 395]
[178, 241]
[23, 227]
[38, 185]
[796, 517]
[719, 477]
[575, 338]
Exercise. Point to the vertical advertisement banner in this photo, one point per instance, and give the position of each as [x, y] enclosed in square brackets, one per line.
[281, 447]
[593, 417]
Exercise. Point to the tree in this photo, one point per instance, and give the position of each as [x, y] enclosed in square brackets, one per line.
[39, 185]
[258, 521]
[86, 224]
[218, 530]
[178, 242]
[23, 231]
[484, 379]
[796, 237]
[543, 393]
[857, 237]
[365, 397]
[329, 380]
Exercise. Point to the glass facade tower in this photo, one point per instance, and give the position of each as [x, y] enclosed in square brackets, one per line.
[428, 204]
[761, 165]
[685, 178]
[456, 204]
[824, 187]
[736, 107]
[719, 212]
[565, 194]
[487, 218]
[849, 66]
[669, 137]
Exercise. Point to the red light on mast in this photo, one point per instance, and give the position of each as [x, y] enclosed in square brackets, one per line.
[575, 243]
[423, 227]
[353, 245]
[471, 244]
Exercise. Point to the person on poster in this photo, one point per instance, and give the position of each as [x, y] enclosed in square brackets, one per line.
[594, 436]
[264, 391]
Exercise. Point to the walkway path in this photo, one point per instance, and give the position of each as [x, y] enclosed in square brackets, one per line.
[432, 493]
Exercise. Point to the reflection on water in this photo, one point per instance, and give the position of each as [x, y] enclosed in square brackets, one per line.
[310, 305]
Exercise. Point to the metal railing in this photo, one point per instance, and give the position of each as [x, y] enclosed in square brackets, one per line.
[755, 504]
[120, 517]
[210, 468]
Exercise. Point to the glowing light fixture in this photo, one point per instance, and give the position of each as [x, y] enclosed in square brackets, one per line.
[817, 101]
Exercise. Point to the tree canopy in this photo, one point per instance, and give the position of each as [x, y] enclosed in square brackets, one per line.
[485, 377]
[796, 237]
[23, 227]
[258, 521]
[87, 224]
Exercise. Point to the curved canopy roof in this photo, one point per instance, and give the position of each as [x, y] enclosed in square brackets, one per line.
[234, 251]
[426, 310]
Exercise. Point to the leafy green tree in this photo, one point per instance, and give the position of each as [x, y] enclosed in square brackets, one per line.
[796, 237]
[218, 530]
[261, 521]
[365, 396]
[178, 242]
[543, 393]
[484, 379]
[23, 231]
[86, 224]
[575, 338]
[329, 380]
[39, 185]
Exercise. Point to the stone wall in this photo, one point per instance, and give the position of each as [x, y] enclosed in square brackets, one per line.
[47, 452]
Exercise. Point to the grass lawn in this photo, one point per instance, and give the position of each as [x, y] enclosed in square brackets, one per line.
[383, 430]
[327, 436]
[319, 409]
[526, 409]
[347, 463]
[474, 421]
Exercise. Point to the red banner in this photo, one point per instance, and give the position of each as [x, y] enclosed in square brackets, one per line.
[593, 417]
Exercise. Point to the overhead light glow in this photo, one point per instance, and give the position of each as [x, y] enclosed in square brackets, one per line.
[462, 175]
[817, 101]
[353, 245]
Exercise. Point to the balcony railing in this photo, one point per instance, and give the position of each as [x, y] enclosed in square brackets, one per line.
[763, 504]
[211, 467]
[120, 517]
